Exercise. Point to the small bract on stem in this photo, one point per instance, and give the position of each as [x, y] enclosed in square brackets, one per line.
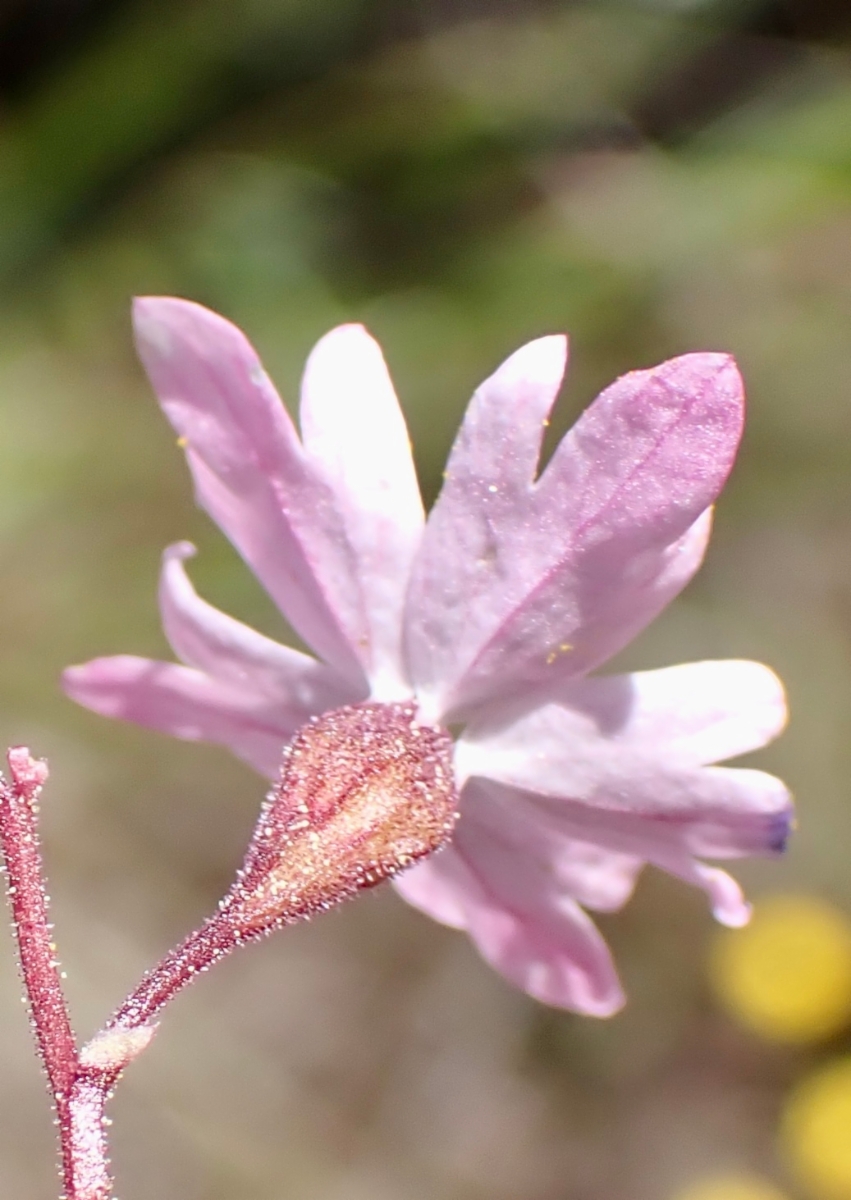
[363, 792]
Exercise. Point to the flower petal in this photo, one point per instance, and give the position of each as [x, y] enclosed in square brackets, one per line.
[669, 845]
[726, 899]
[187, 704]
[689, 715]
[238, 656]
[562, 961]
[355, 435]
[542, 942]
[625, 753]
[517, 833]
[436, 887]
[692, 713]
[523, 581]
[533, 853]
[292, 513]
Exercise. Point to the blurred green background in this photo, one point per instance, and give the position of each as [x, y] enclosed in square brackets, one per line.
[654, 176]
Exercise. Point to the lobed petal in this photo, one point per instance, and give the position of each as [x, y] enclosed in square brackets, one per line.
[286, 511]
[187, 704]
[726, 899]
[689, 715]
[437, 888]
[521, 582]
[669, 845]
[626, 753]
[540, 941]
[354, 434]
[236, 655]
[536, 855]
[514, 839]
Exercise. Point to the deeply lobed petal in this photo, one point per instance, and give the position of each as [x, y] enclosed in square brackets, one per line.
[496, 810]
[623, 756]
[355, 435]
[329, 544]
[523, 581]
[187, 704]
[540, 940]
[236, 655]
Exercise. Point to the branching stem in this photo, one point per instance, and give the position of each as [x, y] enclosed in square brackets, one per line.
[81, 1081]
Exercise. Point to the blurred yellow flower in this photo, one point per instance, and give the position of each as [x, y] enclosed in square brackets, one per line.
[731, 1187]
[816, 1131]
[788, 974]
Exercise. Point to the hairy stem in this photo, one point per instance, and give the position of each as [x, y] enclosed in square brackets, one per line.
[28, 901]
[78, 1096]
[199, 951]
[86, 1165]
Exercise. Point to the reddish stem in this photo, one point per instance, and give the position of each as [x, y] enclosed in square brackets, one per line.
[28, 901]
[84, 1152]
[205, 946]
[79, 1095]
[81, 1082]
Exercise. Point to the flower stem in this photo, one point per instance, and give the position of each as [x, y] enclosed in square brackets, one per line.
[28, 901]
[78, 1098]
[197, 953]
[84, 1151]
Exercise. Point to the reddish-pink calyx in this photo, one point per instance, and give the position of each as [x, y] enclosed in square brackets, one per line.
[364, 792]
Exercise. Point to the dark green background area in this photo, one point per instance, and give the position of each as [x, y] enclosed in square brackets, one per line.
[653, 176]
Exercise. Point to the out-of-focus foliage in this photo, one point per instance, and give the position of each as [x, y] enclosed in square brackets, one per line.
[654, 176]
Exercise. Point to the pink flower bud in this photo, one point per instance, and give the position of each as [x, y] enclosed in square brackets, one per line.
[364, 792]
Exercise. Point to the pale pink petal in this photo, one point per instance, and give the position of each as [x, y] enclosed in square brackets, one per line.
[255, 480]
[716, 812]
[690, 714]
[232, 653]
[626, 752]
[523, 581]
[355, 436]
[450, 609]
[521, 840]
[437, 887]
[599, 879]
[538, 938]
[493, 810]
[563, 961]
[507, 836]
[726, 899]
[185, 703]
[536, 855]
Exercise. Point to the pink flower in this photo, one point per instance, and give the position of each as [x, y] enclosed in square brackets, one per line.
[491, 614]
